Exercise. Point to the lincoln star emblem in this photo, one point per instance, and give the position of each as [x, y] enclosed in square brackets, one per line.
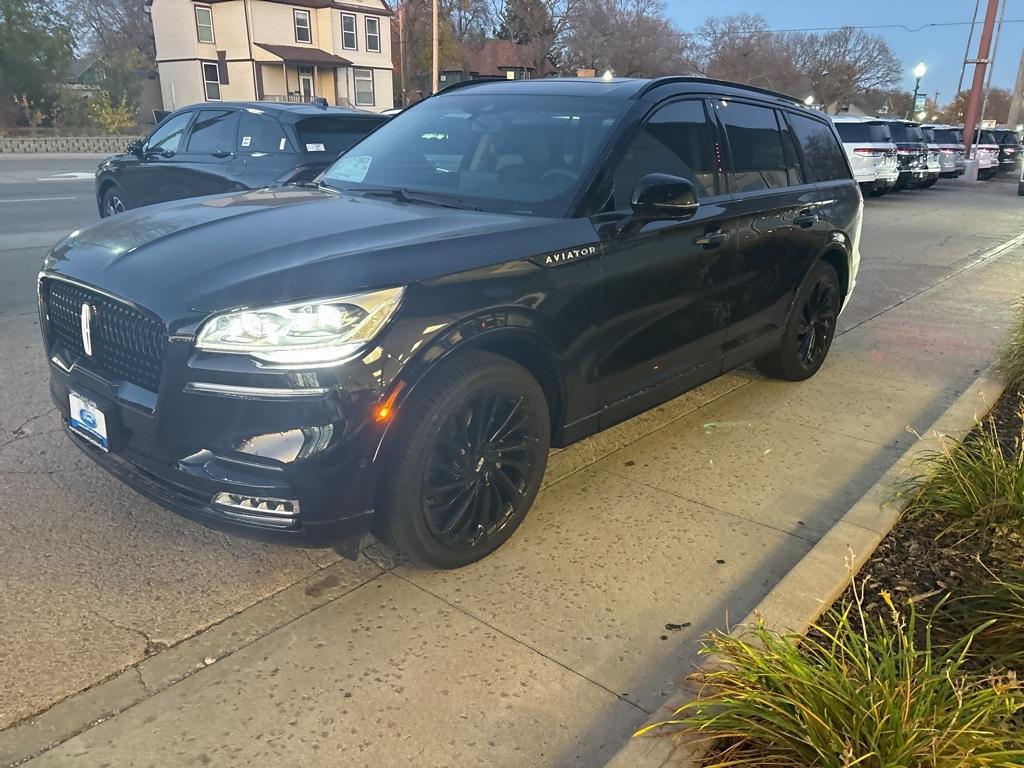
[86, 328]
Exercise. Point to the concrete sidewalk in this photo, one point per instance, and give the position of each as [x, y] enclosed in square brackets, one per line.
[550, 651]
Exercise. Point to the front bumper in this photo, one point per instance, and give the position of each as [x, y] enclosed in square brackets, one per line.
[319, 454]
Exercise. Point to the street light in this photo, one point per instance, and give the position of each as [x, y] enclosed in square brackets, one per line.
[919, 71]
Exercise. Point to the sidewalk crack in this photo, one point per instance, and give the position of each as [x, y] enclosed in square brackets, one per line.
[517, 641]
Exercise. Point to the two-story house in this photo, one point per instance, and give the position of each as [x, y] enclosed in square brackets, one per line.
[274, 50]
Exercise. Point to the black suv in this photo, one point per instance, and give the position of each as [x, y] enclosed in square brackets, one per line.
[503, 267]
[911, 154]
[1010, 149]
[208, 149]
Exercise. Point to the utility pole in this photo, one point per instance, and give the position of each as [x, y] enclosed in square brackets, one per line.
[1017, 103]
[991, 62]
[974, 103]
[436, 71]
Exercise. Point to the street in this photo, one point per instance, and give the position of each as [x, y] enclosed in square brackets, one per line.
[222, 650]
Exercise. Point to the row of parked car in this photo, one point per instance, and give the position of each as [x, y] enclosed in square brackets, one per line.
[889, 154]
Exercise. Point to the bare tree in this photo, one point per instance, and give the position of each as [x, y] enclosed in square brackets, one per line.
[115, 27]
[742, 49]
[470, 19]
[632, 38]
[842, 63]
[540, 25]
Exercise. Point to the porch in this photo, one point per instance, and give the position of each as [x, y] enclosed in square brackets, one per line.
[299, 75]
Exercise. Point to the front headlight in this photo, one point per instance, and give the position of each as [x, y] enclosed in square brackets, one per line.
[309, 332]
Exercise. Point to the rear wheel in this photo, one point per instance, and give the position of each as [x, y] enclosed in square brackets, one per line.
[468, 461]
[113, 202]
[879, 192]
[810, 328]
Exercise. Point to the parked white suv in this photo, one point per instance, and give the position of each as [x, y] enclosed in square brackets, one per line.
[986, 150]
[951, 149]
[871, 151]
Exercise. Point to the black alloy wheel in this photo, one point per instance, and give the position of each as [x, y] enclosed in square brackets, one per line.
[810, 328]
[469, 454]
[113, 203]
[817, 322]
[479, 468]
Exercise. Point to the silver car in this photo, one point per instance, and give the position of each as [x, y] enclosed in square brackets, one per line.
[871, 152]
[952, 158]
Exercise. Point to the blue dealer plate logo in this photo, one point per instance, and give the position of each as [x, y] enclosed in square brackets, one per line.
[87, 418]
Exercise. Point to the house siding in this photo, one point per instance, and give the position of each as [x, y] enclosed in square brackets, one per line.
[179, 52]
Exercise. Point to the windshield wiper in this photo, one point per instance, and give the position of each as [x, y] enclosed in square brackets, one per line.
[403, 195]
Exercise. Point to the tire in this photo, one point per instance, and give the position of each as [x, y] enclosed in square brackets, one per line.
[113, 202]
[451, 495]
[810, 328]
[1020, 188]
[878, 192]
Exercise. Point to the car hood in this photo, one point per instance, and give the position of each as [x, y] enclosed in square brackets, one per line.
[285, 244]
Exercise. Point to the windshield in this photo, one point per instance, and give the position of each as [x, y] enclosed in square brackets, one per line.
[946, 136]
[906, 133]
[929, 135]
[852, 132]
[510, 153]
[333, 135]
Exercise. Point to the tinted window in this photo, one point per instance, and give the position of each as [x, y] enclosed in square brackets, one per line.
[880, 133]
[853, 132]
[909, 134]
[946, 136]
[823, 156]
[520, 153]
[168, 135]
[758, 161]
[260, 132]
[214, 131]
[675, 140]
[929, 135]
[333, 135]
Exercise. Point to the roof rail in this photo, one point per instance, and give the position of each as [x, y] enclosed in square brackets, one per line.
[660, 81]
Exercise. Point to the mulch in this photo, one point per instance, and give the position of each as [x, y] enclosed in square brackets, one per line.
[920, 563]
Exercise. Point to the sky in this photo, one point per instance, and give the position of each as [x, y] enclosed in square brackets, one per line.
[940, 48]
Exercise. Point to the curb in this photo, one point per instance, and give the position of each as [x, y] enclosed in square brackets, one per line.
[814, 583]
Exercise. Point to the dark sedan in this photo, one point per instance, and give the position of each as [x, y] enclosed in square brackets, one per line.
[208, 149]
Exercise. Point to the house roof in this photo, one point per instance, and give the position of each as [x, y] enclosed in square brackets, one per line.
[494, 57]
[79, 67]
[296, 54]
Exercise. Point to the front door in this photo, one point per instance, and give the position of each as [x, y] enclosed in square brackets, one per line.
[666, 283]
[208, 154]
[306, 84]
[157, 170]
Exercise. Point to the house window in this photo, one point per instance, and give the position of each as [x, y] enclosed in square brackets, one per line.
[364, 87]
[372, 34]
[303, 34]
[204, 24]
[211, 80]
[348, 31]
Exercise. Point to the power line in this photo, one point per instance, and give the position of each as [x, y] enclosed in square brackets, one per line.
[905, 27]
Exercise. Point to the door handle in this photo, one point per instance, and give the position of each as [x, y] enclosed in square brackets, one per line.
[222, 153]
[711, 239]
[805, 219]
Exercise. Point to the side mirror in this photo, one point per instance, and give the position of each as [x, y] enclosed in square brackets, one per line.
[662, 196]
[135, 147]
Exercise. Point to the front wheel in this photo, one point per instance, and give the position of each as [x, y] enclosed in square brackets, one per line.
[112, 202]
[468, 461]
[810, 328]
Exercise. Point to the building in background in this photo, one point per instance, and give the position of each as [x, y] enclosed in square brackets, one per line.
[271, 50]
[493, 58]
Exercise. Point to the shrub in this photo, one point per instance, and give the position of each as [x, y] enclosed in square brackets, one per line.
[1010, 359]
[111, 117]
[977, 482]
[995, 613]
[855, 694]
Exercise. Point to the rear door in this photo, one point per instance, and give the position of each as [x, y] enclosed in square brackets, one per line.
[209, 151]
[666, 282]
[777, 210]
[263, 153]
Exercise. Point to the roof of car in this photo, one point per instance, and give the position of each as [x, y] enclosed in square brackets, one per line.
[856, 119]
[615, 87]
[298, 110]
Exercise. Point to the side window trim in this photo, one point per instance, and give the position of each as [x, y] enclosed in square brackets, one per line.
[186, 132]
[803, 157]
[787, 130]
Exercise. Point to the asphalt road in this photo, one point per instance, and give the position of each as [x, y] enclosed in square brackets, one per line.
[42, 199]
[549, 651]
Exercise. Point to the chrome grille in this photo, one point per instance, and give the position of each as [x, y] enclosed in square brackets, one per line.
[126, 343]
